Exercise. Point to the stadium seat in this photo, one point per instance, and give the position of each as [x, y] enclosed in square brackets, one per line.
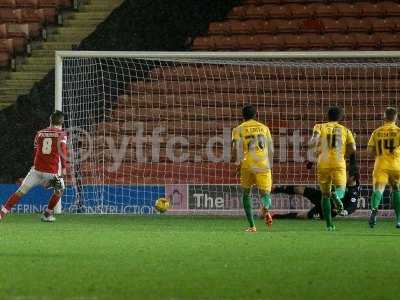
[238, 12]
[366, 41]
[256, 12]
[357, 24]
[319, 41]
[263, 26]
[369, 9]
[388, 40]
[277, 11]
[383, 25]
[323, 10]
[283, 25]
[204, 43]
[7, 3]
[226, 42]
[6, 45]
[334, 25]
[268, 41]
[241, 27]
[295, 41]
[33, 15]
[342, 41]
[26, 3]
[9, 15]
[220, 27]
[389, 8]
[248, 42]
[4, 57]
[49, 3]
[298, 10]
[347, 10]
[311, 25]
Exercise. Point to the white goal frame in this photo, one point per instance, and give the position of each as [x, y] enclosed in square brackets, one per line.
[59, 55]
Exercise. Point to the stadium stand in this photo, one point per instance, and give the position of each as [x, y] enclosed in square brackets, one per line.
[30, 32]
[289, 22]
[121, 31]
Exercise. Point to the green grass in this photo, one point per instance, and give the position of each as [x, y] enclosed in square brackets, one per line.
[163, 257]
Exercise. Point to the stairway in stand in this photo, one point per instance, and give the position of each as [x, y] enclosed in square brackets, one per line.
[77, 25]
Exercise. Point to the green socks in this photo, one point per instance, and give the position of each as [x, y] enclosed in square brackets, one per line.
[266, 201]
[376, 199]
[326, 209]
[247, 208]
[339, 191]
[396, 204]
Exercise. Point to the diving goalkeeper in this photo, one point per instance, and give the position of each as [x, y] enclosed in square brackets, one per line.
[350, 200]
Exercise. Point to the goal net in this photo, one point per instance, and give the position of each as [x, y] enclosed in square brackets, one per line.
[149, 125]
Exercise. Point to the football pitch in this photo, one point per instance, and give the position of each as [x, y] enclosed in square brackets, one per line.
[167, 257]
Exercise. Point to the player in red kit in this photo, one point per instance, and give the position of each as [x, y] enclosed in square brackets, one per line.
[50, 153]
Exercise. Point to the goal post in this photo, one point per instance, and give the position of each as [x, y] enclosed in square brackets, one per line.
[145, 125]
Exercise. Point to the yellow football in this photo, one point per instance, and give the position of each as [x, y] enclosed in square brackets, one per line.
[162, 204]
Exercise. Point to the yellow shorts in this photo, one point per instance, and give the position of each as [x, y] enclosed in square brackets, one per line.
[384, 177]
[263, 180]
[328, 177]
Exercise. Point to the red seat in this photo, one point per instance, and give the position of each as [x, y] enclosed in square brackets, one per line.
[388, 40]
[348, 10]
[370, 9]
[248, 42]
[323, 10]
[298, 10]
[357, 24]
[220, 27]
[33, 15]
[366, 41]
[238, 12]
[295, 41]
[242, 27]
[257, 11]
[203, 43]
[19, 39]
[390, 8]
[334, 25]
[319, 41]
[4, 57]
[342, 41]
[311, 25]
[386, 24]
[277, 11]
[283, 25]
[49, 3]
[7, 3]
[26, 3]
[9, 15]
[263, 26]
[6, 45]
[226, 42]
[268, 41]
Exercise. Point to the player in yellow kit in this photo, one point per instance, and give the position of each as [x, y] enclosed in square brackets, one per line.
[331, 142]
[253, 153]
[384, 146]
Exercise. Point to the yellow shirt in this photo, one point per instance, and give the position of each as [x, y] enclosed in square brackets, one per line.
[331, 148]
[251, 138]
[386, 140]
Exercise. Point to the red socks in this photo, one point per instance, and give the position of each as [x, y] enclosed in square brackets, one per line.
[14, 198]
[53, 201]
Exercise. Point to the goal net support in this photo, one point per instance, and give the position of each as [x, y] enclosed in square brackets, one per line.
[145, 125]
